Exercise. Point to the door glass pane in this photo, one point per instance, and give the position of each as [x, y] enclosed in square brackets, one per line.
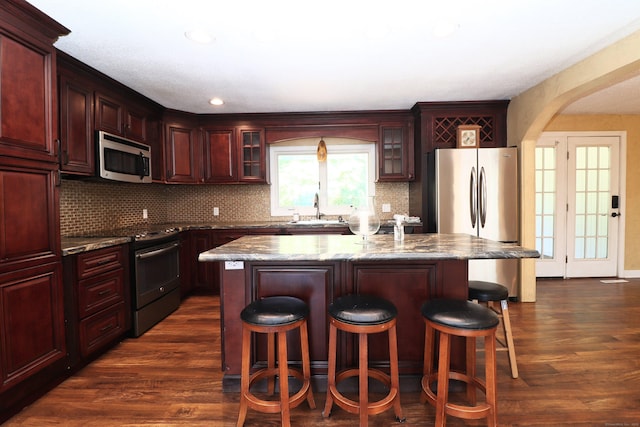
[545, 200]
[591, 202]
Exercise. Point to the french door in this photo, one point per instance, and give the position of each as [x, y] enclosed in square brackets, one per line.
[577, 205]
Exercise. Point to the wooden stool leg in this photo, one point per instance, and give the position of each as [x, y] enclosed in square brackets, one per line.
[471, 368]
[490, 369]
[271, 362]
[306, 363]
[394, 371]
[508, 336]
[331, 372]
[284, 379]
[427, 367]
[443, 379]
[244, 376]
[364, 379]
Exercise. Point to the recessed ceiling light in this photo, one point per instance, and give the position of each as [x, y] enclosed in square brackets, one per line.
[199, 36]
[216, 101]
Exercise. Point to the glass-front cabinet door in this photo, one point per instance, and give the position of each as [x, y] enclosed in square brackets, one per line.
[252, 155]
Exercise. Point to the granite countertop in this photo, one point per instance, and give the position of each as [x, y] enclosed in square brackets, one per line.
[351, 248]
[104, 238]
[74, 245]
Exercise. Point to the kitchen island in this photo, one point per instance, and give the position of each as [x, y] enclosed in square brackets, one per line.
[319, 268]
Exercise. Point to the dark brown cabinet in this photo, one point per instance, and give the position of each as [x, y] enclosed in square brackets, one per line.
[116, 116]
[395, 153]
[32, 344]
[32, 324]
[212, 154]
[27, 84]
[182, 153]
[90, 101]
[97, 301]
[252, 156]
[77, 152]
[220, 155]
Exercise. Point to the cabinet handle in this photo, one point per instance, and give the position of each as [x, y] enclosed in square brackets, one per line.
[106, 328]
[104, 292]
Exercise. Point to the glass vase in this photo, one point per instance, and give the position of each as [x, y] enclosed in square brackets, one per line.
[364, 221]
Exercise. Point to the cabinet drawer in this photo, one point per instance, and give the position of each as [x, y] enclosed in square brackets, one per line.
[100, 261]
[99, 292]
[101, 328]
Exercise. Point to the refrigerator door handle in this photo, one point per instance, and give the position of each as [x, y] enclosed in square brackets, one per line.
[483, 197]
[473, 197]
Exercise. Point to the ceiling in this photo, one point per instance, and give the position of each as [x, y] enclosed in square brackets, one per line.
[337, 55]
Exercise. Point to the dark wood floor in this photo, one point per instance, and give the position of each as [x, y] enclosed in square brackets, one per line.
[578, 353]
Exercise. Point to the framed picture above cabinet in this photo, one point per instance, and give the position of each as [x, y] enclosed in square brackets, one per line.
[468, 136]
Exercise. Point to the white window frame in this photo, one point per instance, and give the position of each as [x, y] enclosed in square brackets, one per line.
[275, 150]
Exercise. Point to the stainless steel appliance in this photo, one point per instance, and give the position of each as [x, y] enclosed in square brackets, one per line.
[476, 192]
[120, 159]
[155, 278]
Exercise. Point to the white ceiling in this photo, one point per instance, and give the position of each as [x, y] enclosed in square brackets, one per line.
[339, 55]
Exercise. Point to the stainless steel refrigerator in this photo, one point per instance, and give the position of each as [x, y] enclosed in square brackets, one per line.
[476, 192]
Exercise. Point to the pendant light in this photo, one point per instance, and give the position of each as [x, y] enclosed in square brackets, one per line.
[322, 151]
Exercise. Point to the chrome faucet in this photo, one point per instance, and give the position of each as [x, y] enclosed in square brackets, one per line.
[316, 204]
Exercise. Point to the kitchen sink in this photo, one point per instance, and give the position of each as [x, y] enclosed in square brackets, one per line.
[319, 222]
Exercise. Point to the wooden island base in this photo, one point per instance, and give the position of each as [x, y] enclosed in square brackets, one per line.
[319, 268]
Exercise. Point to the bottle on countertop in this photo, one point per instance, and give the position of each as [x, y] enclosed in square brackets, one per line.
[398, 228]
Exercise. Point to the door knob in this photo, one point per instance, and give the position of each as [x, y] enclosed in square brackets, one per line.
[615, 214]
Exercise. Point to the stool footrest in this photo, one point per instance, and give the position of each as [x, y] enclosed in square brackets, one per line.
[461, 411]
[353, 406]
[273, 406]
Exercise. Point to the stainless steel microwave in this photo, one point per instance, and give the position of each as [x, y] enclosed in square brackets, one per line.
[120, 159]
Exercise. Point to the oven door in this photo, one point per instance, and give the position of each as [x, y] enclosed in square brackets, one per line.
[157, 272]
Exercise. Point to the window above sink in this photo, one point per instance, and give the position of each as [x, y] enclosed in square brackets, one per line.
[344, 180]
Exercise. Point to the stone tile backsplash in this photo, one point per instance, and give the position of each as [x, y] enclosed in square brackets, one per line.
[87, 206]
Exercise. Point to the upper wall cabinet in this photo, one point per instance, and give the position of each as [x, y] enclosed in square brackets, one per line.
[117, 117]
[253, 164]
[77, 152]
[395, 152]
[212, 153]
[183, 149]
[220, 155]
[28, 125]
[91, 101]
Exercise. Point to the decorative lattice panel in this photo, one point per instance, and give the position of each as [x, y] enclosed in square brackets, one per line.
[445, 129]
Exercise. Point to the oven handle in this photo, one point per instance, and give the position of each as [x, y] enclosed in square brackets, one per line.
[157, 252]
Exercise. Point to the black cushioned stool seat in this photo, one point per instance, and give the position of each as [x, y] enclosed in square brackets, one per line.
[363, 315]
[450, 317]
[487, 293]
[275, 316]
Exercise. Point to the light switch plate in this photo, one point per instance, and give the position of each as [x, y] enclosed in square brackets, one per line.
[386, 207]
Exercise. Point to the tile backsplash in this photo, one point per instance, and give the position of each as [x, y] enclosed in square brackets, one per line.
[87, 206]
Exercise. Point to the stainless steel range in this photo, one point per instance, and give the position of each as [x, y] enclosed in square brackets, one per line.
[155, 277]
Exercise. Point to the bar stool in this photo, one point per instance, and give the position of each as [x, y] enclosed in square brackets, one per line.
[363, 315]
[275, 316]
[450, 317]
[488, 293]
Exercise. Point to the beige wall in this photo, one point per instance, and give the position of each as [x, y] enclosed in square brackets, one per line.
[530, 112]
[630, 124]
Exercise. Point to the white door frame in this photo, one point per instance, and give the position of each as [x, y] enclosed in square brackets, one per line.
[622, 135]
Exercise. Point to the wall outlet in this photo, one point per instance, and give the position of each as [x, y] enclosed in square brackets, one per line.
[386, 207]
[216, 211]
[145, 214]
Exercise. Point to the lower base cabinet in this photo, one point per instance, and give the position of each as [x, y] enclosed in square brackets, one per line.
[32, 334]
[97, 301]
